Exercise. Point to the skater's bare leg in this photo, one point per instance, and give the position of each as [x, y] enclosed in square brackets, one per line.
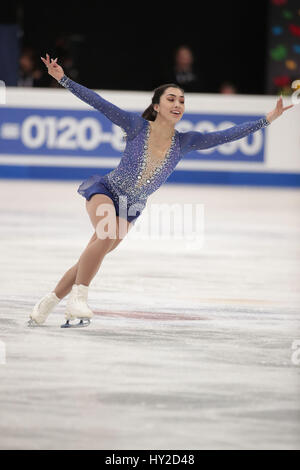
[64, 286]
[90, 261]
[108, 237]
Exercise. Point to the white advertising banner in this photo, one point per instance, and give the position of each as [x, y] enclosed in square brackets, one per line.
[51, 134]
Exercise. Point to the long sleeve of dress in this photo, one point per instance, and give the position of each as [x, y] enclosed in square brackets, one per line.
[191, 141]
[129, 121]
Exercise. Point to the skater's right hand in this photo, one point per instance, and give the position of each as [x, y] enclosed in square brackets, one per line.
[278, 110]
[54, 69]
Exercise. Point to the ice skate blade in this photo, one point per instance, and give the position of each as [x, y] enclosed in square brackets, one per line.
[83, 322]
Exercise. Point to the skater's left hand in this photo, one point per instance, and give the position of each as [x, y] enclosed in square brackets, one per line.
[272, 115]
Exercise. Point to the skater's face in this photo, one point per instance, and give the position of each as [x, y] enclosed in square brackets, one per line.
[171, 105]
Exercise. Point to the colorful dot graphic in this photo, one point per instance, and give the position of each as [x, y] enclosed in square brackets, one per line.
[296, 48]
[279, 52]
[277, 30]
[279, 2]
[290, 64]
[287, 14]
[284, 45]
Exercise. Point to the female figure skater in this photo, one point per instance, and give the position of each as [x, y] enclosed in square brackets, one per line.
[153, 149]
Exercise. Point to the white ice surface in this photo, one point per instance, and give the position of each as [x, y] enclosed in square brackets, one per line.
[192, 345]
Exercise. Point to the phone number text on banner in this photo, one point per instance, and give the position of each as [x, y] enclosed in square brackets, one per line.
[25, 131]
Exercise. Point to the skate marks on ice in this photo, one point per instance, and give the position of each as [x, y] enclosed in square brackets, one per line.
[187, 349]
[136, 383]
[141, 315]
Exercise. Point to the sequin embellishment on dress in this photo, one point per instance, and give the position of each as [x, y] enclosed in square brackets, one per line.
[149, 168]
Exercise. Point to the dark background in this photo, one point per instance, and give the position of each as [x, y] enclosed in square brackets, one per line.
[129, 46]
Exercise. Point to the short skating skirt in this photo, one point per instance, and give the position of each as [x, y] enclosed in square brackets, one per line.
[95, 185]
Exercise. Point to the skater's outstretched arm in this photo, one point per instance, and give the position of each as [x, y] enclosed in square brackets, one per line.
[129, 121]
[197, 141]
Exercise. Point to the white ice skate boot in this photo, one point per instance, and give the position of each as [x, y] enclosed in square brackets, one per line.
[42, 309]
[77, 307]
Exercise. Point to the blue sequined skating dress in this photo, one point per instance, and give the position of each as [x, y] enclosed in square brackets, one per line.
[137, 176]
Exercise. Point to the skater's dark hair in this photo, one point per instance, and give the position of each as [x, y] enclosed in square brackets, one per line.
[150, 113]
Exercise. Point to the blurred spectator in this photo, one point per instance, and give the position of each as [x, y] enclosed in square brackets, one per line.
[227, 88]
[65, 58]
[30, 73]
[183, 71]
